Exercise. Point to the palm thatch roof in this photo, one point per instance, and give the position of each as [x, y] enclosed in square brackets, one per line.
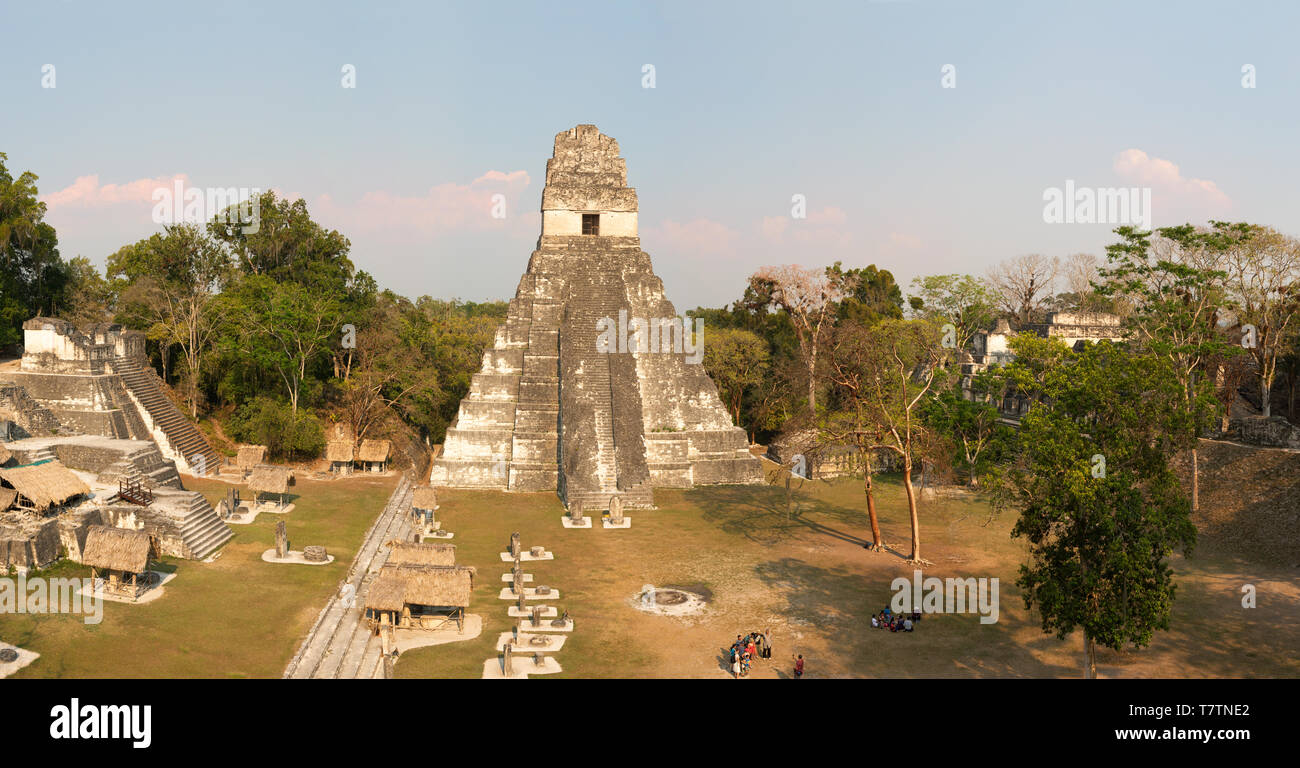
[339, 451]
[424, 553]
[44, 484]
[268, 479]
[374, 450]
[7, 496]
[438, 586]
[424, 498]
[386, 592]
[5, 455]
[117, 549]
[250, 456]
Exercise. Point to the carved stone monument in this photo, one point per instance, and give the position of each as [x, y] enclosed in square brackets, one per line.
[616, 510]
[514, 545]
[281, 541]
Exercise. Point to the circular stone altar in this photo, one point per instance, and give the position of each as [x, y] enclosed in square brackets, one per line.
[668, 601]
[8, 655]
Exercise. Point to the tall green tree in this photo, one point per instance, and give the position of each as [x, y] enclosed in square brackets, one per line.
[284, 327]
[171, 280]
[738, 362]
[1099, 505]
[882, 375]
[1263, 279]
[965, 301]
[33, 277]
[1175, 282]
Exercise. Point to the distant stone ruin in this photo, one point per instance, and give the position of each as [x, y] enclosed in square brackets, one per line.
[555, 406]
[97, 381]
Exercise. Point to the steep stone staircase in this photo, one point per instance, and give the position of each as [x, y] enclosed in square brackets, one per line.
[594, 296]
[31, 416]
[183, 436]
[201, 529]
[146, 466]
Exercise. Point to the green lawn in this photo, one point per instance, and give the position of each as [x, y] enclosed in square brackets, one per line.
[809, 579]
[806, 577]
[235, 617]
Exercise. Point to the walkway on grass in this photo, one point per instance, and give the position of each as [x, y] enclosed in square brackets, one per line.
[339, 645]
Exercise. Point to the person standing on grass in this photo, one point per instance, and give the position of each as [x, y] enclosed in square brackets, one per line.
[751, 650]
[798, 667]
[767, 643]
[735, 663]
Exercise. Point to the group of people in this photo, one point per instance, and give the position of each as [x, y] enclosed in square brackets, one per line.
[755, 645]
[895, 622]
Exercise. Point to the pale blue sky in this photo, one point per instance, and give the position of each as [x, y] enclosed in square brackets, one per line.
[754, 102]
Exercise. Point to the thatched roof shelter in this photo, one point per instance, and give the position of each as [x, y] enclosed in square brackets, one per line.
[386, 592]
[441, 586]
[250, 456]
[374, 450]
[269, 479]
[117, 549]
[424, 498]
[339, 451]
[44, 484]
[7, 496]
[424, 553]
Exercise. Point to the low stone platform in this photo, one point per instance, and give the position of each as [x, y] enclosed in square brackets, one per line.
[25, 657]
[530, 593]
[507, 578]
[607, 523]
[570, 523]
[243, 516]
[276, 509]
[410, 639]
[151, 594]
[294, 556]
[527, 557]
[523, 646]
[548, 612]
[524, 665]
[527, 625]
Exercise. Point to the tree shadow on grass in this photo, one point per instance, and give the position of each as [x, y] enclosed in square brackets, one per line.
[759, 515]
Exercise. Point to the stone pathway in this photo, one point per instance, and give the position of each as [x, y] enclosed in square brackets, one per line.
[340, 645]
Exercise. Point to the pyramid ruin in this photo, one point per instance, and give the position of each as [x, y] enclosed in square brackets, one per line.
[556, 406]
[88, 401]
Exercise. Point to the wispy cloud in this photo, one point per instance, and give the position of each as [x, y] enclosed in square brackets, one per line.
[1174, 196]
[443, 209]
[87, 192]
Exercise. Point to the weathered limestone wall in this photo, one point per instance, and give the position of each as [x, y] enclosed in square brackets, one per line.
[28, 544]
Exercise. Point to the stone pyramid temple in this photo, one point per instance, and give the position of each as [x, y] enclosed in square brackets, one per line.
[556, 406]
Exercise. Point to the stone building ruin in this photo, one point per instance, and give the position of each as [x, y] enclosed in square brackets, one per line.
[553, 410]
[89, 401]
